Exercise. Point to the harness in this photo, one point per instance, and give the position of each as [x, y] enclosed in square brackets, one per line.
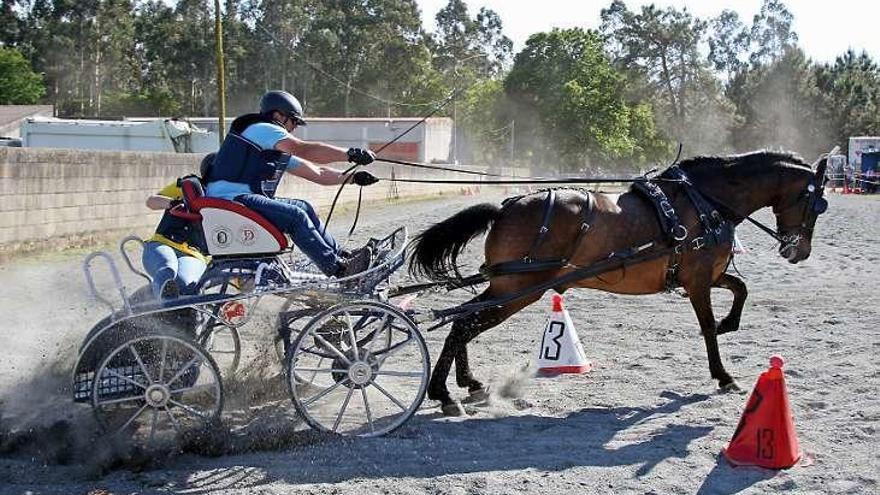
[529, 263]
[715, 229]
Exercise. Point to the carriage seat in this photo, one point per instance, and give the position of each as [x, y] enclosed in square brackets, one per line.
[230, 228]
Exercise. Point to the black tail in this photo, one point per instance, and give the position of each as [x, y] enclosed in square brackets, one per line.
[436, 250]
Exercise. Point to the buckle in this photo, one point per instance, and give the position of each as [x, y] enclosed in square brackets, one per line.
[543, 229]
[680, 232]
[667, 208]
[698, 243]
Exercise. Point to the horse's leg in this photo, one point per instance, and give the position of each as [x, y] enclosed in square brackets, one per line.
[462, 332]
[734, 284]
[702, 302]
[488, 319]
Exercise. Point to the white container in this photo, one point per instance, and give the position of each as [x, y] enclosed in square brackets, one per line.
[158, 135]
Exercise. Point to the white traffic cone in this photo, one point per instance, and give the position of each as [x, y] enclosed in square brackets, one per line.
[561, 350]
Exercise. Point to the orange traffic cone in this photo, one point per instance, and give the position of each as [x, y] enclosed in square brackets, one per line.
[765, 435]
[561, 350]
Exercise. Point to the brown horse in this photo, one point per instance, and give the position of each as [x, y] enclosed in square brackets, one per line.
[735, 187]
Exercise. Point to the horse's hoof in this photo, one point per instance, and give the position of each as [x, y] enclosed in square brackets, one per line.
[453, 409]
[726, 326]
[477, 397]
[731, 387]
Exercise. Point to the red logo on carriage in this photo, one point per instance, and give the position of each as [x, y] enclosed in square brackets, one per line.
[233, 312]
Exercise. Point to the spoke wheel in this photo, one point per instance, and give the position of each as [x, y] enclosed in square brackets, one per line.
[358, 369]
[151, 388]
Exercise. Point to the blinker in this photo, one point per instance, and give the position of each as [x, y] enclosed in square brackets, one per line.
[820, 206]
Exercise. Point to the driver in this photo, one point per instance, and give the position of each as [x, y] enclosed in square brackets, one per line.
[252, 160]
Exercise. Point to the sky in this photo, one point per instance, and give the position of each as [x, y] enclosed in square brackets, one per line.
[825, 29]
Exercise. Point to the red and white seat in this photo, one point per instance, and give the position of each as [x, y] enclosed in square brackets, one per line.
[230, 228]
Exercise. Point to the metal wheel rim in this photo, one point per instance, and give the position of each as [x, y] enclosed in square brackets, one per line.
[377, 391]
[176, 412]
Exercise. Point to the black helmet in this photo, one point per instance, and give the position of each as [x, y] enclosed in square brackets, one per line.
[284, 102]
[206, 166]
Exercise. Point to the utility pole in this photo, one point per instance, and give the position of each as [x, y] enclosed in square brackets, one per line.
[512, 138]
[221, 79]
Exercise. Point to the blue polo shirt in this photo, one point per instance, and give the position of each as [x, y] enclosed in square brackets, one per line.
[264, 135]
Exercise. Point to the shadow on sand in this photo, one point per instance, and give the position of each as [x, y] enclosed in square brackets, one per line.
[427, 447]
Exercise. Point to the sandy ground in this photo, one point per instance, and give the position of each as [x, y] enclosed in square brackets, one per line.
[647, 420]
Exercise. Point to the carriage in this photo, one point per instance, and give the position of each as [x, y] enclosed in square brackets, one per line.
[152, 370]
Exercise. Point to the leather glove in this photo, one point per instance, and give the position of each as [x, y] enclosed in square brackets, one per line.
[360, 156]
[364, 178]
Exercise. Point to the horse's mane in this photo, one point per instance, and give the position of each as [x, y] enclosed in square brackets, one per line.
[754, 158]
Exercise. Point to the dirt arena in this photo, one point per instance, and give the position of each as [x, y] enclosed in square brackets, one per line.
[648, 419]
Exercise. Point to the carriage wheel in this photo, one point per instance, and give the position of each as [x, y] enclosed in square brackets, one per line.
[358, 369]
[153, 387]
[222, 341]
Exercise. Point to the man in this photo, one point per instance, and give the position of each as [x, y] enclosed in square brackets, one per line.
[252, 161]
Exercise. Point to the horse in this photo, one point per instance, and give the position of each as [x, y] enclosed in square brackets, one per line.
[582, 228]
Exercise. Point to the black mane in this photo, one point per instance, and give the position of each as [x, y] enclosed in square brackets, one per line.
[754, 158]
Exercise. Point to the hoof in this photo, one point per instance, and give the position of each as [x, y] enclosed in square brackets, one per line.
[477, 397]
[726, 326]
[453, 409]
[731, 387]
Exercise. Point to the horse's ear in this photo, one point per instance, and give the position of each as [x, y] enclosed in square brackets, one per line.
[820, 170]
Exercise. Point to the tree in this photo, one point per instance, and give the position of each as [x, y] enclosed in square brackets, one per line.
[728, 43]
[851, 92]
[771, 35]
[484, 123]
[659, 51]
[19, 84]
[573, 98]
[467, 47]
[781, 106]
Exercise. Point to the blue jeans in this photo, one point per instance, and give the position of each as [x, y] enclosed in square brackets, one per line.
[164, 263]
[297, 218]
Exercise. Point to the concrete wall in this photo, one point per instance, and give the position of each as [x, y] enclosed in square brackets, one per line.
[54, 198]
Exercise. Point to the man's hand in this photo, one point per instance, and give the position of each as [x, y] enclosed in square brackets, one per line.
[363, 178]
[360, 156]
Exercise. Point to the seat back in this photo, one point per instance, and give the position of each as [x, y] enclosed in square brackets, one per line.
[192, 190]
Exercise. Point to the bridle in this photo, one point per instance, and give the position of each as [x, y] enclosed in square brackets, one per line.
[812, 202]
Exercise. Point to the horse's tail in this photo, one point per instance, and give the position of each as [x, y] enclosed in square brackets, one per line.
[436, 250]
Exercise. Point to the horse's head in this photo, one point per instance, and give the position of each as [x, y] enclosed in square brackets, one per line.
[800, 203]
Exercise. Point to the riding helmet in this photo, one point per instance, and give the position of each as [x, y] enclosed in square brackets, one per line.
[283, 102]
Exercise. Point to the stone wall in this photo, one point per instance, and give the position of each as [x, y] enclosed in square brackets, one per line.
[53, 198]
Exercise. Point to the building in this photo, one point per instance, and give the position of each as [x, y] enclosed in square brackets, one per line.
[428, 141]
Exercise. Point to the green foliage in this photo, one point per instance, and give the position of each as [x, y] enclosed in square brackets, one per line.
[154, 103]
[19, 84]
[483, 119]
[569, 100]
[851, 91]
[781, 107]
